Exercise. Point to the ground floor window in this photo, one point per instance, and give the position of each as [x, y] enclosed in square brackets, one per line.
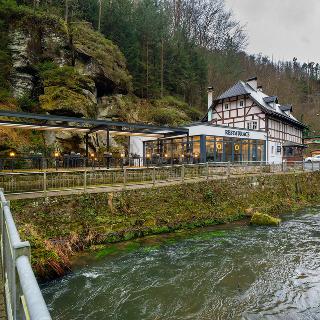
[204, 149]
[220, 149]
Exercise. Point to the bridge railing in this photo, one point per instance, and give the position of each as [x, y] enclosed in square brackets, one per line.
[23, 297]
[84, 179]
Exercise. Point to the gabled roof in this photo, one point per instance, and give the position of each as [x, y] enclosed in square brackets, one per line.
[271, 107]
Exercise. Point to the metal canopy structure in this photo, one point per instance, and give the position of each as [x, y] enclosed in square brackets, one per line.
[35, 121]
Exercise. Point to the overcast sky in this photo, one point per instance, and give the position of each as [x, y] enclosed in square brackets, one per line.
[282, 28]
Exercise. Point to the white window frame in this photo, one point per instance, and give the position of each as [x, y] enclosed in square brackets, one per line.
[253, 125]
[241, 104]
[226, 106]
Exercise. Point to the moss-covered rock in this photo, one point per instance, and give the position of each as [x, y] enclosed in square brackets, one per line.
[166, 111]
[68, 91]
[100, 58]
[262, 219]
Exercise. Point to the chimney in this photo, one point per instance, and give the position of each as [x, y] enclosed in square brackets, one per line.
[210, 97]
[260, 88]
[253, 83]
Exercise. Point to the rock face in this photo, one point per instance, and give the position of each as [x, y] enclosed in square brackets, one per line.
[65, 71]
[22, 82]
[32, 40]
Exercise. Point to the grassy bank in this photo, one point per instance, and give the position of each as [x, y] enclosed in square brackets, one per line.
[61, 226]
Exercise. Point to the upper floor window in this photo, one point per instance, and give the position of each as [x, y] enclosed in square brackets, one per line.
[226, 106]
[252, 125]
[241, 103]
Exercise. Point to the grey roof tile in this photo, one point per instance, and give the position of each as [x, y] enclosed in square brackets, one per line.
[237, 90]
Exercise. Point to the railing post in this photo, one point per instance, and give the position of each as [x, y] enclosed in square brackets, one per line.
[229, 170]
[2, 229]
[45, 184]
[154, 175]
[85, 180]
[207, 170]
[182, 172]
[124, 177]
[22, 249]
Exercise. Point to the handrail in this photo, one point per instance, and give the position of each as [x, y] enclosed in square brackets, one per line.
[24, 299]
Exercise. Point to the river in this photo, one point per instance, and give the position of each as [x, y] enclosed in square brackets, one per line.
[230, 272]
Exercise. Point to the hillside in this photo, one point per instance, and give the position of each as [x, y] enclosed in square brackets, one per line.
[69, 69]
[54, 60]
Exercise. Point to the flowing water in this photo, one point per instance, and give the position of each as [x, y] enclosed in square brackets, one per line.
[237, 272]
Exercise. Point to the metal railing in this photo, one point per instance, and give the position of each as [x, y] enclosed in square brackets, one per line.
[23, 297]
[23, 182]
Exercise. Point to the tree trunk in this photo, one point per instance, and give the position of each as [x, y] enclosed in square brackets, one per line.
[147, 70]
[66, 11]
[161, 67]
[99, 18]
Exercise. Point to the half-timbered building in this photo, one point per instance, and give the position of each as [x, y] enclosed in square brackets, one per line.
[242, 125]
[246, 106]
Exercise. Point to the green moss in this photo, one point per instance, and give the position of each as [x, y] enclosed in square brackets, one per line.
[169, 116]
[105, 54]
[65, 89]
[132, 246]
[106, 251]
[175, 103]
[262, 219]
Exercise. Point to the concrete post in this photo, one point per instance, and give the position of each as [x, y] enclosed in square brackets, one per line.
[45, 184]
[124, 177]
[154, 175]
[85, 180]
[182, 172]
[229, 170]
[207, 170]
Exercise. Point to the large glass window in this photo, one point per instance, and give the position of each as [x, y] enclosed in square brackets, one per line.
[219, 150]
[228, 149]
[245, 150]
[237, 151]
[260, 151]
[210, 148]
[196, 147]
[253, 151]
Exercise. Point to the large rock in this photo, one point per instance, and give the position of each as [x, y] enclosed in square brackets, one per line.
[99, 58]
[33, 39]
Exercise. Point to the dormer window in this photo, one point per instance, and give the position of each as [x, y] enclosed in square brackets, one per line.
[226, 106]
[241, 103]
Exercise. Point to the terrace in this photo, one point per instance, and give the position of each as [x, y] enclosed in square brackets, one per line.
[57, 160]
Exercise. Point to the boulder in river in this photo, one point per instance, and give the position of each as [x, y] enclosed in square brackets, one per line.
[262, 219]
